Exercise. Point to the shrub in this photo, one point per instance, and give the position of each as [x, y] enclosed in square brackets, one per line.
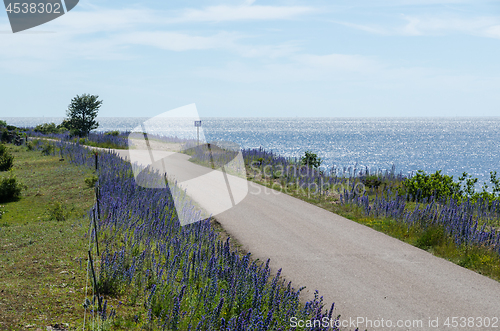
[311, 159]
[46, 128]
[5, 135]
[113, 133]
[423, 186]
[10, 188]
[56, 212]
[6, 158]
[30, 145]
[3, 124]
[372, 181]
[90, 181]
[48, 149]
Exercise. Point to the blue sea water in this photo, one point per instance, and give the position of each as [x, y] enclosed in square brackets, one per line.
[453, 145]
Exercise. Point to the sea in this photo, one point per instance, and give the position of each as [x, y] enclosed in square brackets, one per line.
[453, 145]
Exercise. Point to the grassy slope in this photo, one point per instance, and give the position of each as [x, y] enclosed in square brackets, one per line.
[41, 279]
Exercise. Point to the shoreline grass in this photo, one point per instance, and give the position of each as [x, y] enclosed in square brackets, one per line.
[43, 259]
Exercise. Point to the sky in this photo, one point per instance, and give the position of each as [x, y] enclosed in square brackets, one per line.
[311, 58]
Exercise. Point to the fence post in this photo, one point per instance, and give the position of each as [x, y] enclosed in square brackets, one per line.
[97, 193]
[96, 290]
[96, 234]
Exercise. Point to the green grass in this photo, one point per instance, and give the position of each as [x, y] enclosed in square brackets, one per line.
[42, 273]
[432, 239]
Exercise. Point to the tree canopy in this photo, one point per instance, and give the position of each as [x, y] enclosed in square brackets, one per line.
[311, 159]
[81, 113]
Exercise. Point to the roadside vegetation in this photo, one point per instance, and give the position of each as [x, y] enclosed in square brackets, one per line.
[434, 212]
[151, 272]
[111, 139]
[447, 217]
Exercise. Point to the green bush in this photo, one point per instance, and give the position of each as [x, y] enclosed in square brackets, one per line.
[113, 133]
[423, 186]
[5, 135]
[311, 159]
[6, 158]
[3, 124]
[10, 188]
[30, 145]
[372, 181]
[47, 128]
[48, 149]
[56, 212]
[90, 181]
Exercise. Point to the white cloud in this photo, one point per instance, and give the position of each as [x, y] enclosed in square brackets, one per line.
[240, 13]
[443, 25]
[485, 26]
[493, 31]
[175, 41]
[301, 68]
[366, 28]
[339, 62]
[108, 34]
[103, 20]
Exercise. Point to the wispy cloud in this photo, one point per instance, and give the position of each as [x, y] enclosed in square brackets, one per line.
[104, 20]
[175, 41]
[100, 33]
[300, 68]
[493, 31]
[339, 62]
[245, 12]
[485, 26]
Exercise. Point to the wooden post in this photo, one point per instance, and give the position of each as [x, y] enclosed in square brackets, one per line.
[96, 234]
[96, 290]
[98, 202]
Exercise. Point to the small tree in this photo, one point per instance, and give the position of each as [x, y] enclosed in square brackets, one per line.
[311, 160]
[6, 158]
[81, 113]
